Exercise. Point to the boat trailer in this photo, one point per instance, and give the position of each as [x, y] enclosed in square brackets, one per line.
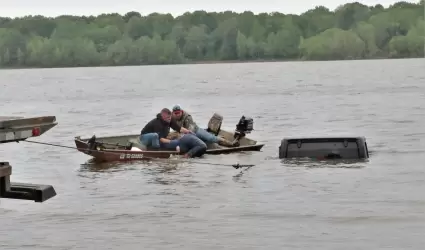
[16, 129]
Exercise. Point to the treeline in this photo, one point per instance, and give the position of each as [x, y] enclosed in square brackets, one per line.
[352, 31]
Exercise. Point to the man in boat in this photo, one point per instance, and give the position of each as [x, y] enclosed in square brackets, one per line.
[191, 146]
[155, 133]
[184, 119]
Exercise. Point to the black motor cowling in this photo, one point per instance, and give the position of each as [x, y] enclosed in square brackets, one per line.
[245, 125]
[92, 143]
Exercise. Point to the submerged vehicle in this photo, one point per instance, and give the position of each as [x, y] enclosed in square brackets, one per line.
[128, 147]
[349, 147]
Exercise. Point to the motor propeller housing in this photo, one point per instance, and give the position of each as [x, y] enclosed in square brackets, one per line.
[244, 126]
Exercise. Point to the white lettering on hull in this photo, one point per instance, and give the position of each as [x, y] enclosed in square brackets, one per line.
[131, 156]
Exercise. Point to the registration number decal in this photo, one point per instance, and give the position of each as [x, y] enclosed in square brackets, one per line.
[131, 156]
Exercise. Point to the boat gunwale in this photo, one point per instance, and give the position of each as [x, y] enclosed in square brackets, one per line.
[116, 150]
[126, 150]
[225, 149]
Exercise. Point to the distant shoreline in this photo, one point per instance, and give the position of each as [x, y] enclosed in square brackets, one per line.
[206, 62]
[353, 31]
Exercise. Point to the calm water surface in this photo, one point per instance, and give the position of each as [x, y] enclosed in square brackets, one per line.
[378, 204]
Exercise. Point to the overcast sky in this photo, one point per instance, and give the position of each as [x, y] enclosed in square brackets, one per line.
[13, 8]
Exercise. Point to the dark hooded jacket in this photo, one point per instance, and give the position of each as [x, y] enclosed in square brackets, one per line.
[161, 127]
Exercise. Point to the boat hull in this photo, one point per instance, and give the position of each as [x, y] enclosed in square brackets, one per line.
[107, 155]
[114, 148]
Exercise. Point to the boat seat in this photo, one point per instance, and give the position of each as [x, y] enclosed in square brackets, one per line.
[136, 143]
[214, 124]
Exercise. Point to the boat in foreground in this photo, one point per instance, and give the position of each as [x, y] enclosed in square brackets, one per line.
[128, 147]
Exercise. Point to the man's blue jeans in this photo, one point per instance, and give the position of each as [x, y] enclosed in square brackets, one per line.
[150, 140]
[172, 145]
[206, 136]
[192, 145]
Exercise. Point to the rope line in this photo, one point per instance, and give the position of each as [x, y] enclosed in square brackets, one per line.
[236, 166]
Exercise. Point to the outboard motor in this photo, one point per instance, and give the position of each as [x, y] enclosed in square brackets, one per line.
[129, 146]
[92, 143]
[244, 126]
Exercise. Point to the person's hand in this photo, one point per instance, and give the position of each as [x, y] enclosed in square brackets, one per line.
[173, 136]
[163, 140]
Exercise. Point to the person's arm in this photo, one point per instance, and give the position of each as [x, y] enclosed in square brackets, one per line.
[178, 128]
[164, 140]
[175, 126]
[189, 123]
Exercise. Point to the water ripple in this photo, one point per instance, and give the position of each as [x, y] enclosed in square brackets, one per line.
[278, 204]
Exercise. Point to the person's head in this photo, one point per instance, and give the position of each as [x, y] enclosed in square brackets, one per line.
[166, 114]
[177, 111]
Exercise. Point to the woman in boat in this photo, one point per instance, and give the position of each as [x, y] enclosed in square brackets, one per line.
[184, 119]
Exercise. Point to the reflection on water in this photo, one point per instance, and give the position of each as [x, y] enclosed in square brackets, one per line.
[239, 175]
[333, 163]
[161, 171]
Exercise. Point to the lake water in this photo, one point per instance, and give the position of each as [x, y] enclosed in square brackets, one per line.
[377, 204]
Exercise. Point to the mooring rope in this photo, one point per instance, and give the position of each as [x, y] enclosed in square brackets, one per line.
[236, 166]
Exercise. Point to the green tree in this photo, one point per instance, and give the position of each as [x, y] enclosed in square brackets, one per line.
[196, 41]
[349, 14]
[316, 21]
[411, 45]
[103, 37]
[285, 42]
[11, 41]
[351, 31]
[137, 27]
[367, 32]
[333, 44]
